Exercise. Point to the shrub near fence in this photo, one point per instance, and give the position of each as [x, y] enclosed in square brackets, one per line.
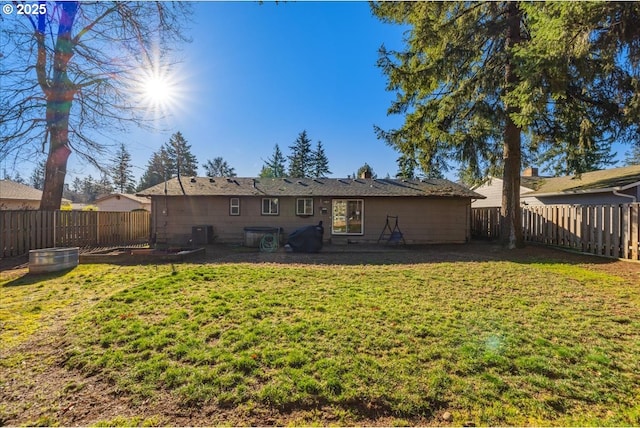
[602, 230]
[21, 231]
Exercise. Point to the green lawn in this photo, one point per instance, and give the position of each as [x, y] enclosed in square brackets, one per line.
[493, 343]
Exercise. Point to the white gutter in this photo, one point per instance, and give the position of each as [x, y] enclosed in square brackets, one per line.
[615, 192]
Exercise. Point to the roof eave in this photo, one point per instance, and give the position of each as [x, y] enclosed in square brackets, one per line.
[582, 192]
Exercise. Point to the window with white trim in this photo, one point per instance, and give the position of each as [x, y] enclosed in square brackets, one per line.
[270, 206]
[234, 206]
[347, 217]
[304, 206]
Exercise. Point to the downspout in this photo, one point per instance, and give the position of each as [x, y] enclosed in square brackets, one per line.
[634, 199]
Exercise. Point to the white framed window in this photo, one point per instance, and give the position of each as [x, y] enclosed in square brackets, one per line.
[304, 206]
[234, 206]
[347, 217]
[270, 206]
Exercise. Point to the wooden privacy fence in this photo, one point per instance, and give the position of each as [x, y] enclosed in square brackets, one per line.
[602, 230]
[21, 231]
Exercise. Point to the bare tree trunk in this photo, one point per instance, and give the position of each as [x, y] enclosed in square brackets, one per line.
[511, 214]
[59, 92]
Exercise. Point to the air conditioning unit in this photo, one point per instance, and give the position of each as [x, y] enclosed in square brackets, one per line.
[202, 235]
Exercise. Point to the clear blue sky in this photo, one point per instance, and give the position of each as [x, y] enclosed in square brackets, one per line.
[259, 74]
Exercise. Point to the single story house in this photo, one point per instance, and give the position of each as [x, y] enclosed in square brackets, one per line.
[351, 210]
[604, 187]
[17, 196]
[123, 202]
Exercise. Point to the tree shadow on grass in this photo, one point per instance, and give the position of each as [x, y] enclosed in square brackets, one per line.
[33, 278]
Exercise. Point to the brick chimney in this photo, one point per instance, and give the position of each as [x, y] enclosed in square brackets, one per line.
[366, 173]
[530, 172]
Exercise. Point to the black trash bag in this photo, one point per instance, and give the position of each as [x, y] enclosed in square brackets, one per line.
[307, 239]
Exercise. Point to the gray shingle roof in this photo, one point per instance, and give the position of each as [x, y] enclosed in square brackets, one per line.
[330, 187]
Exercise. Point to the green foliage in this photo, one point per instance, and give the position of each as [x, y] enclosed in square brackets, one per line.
[218, 167]
[365, 169]
[633, 156]
[300, 159]
[577, 86]
[319, 162]
[180, 159]
[274, 167]
[37, 176]
[120, 172]
[574, 87]
[157, 169]
[448, 81]
[173, 157]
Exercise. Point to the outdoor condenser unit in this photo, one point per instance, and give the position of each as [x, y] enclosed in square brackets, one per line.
[202, 235]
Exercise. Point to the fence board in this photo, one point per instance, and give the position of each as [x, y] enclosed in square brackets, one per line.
[603, 230]
[21, 231]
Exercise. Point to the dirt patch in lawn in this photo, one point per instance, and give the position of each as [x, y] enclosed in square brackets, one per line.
[37, 388]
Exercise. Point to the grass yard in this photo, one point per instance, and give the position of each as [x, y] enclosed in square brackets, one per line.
[491, 342]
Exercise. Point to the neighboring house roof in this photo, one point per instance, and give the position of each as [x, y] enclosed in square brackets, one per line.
[333, 187]
[135, 198]
[525, 181]
[590, 182]
[17, 191]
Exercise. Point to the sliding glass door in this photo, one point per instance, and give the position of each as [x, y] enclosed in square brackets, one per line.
[348, 217]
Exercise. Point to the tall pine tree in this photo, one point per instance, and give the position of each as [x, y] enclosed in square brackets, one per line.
[121, 174]
[180, 159]
[274, 167]
[300, 160]
[37, 176]
[157, 170]
[218, 167]
[451, 82]
[319, 162]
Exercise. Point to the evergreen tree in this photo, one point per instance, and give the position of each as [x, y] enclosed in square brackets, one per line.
[319, 162]
[577, 84]
[407, 166]
[453, 82]
[274, 167]
[121, 173]
[37, 176]
[180, 159]
[157, 170]
[365, 169]
[266, 172]
[103, 186]
[218, 167]
[633, 156]
[300, 160]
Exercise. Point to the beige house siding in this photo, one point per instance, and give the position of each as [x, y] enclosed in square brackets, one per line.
[17, 204]
[493, 192]
[421, 220]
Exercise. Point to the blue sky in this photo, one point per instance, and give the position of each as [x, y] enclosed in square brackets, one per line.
[259, 74]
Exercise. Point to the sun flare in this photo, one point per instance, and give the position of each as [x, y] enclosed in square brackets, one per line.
[158, 90]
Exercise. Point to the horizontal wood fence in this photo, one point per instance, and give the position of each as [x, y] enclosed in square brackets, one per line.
[602, 230]
[21, 231]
